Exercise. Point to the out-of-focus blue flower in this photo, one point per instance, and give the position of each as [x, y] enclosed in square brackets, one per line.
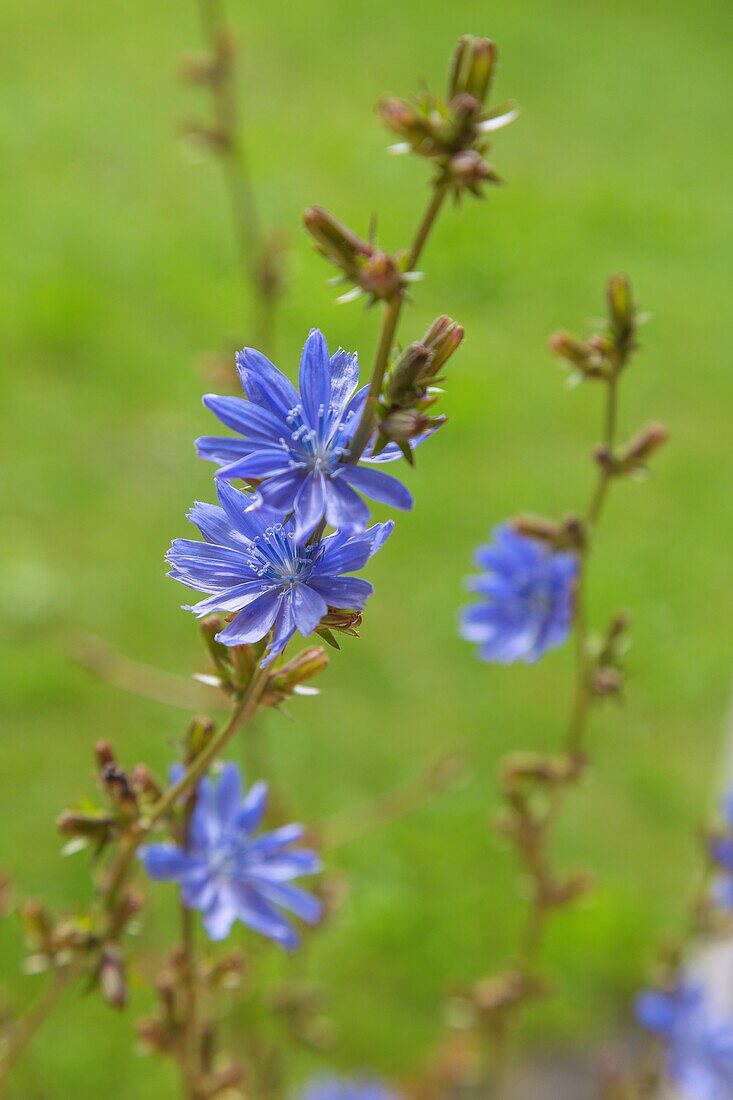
[331, 1087]
[228, 873]
[293, 443]
[265, 575]
[698, 1041]
[721, 850]
[526, 598]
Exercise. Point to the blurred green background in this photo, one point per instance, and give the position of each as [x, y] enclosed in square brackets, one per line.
[119, 271]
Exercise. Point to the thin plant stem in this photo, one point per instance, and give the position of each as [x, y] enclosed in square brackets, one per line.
[191, 1049]
[256, 256]
[537, 861]
[27, 1026]
[390, 321]
[242, 713]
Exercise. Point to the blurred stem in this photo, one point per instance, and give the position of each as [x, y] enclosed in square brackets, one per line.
[245, 709]
[258, 258]
[537, 859]
[191, 1051]
[27, 1026]
[390, 321]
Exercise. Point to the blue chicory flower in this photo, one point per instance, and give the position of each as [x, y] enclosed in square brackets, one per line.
[265, 575]
[526, 598]
[230, 874]
[293, 443]
[721, 850]
[698, 1041]
[331, 1087]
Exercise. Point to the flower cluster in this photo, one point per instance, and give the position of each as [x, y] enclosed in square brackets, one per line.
[264, 561]
[227, 872]
[697, 1040]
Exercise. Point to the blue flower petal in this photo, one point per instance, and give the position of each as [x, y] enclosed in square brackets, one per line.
[253, 622]
[378, 486]
[344, 508]
[308, 608]
[251, 421]
[264, 384]
[315, 377]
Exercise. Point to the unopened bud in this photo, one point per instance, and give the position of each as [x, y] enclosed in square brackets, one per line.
[95, 827]
[5, 893]
[112, 984]
[472, 67]
[469, 171]
[442, 339]
[371, 269]
[405, 424]
[145, 784]
[118, 788]
[607, 680]
[406, 122]
[288, 679]
[104, 753]
[408, 375]
[584, 355]
[566, 890]
[621, 308]
[198, 736]
[460, 132]
[635, 454]
[37, 925]
[520, 768]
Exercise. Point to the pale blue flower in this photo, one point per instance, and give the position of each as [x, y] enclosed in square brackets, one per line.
[262, 574]
[698, 1041]
[525, 598]
[229, 872]
[294, 444]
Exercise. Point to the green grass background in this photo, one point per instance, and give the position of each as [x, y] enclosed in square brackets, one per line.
[119, 270]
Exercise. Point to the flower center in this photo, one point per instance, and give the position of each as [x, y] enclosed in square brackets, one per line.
[275, 556]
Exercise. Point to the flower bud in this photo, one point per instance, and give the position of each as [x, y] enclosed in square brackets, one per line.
[633, 456]
[288, 679]
[622, 312]
[408, 375]
[111, 977]
[409, 123]
[96, 827]
[5, 893]
[37, 926]
[104, 753]
[472, 67]
[583, 355]
[341, 620]
[405, 424]
[118, 789]
[564, 891]
[468, 171]
[198, 735]
[371, 269]
[145, 784]
[442, 339]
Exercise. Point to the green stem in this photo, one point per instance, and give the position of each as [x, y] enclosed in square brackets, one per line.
[26, 1028]
[532, 934]
[190, 1061]
[390, 322]
[255, 260]
[242, 713]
